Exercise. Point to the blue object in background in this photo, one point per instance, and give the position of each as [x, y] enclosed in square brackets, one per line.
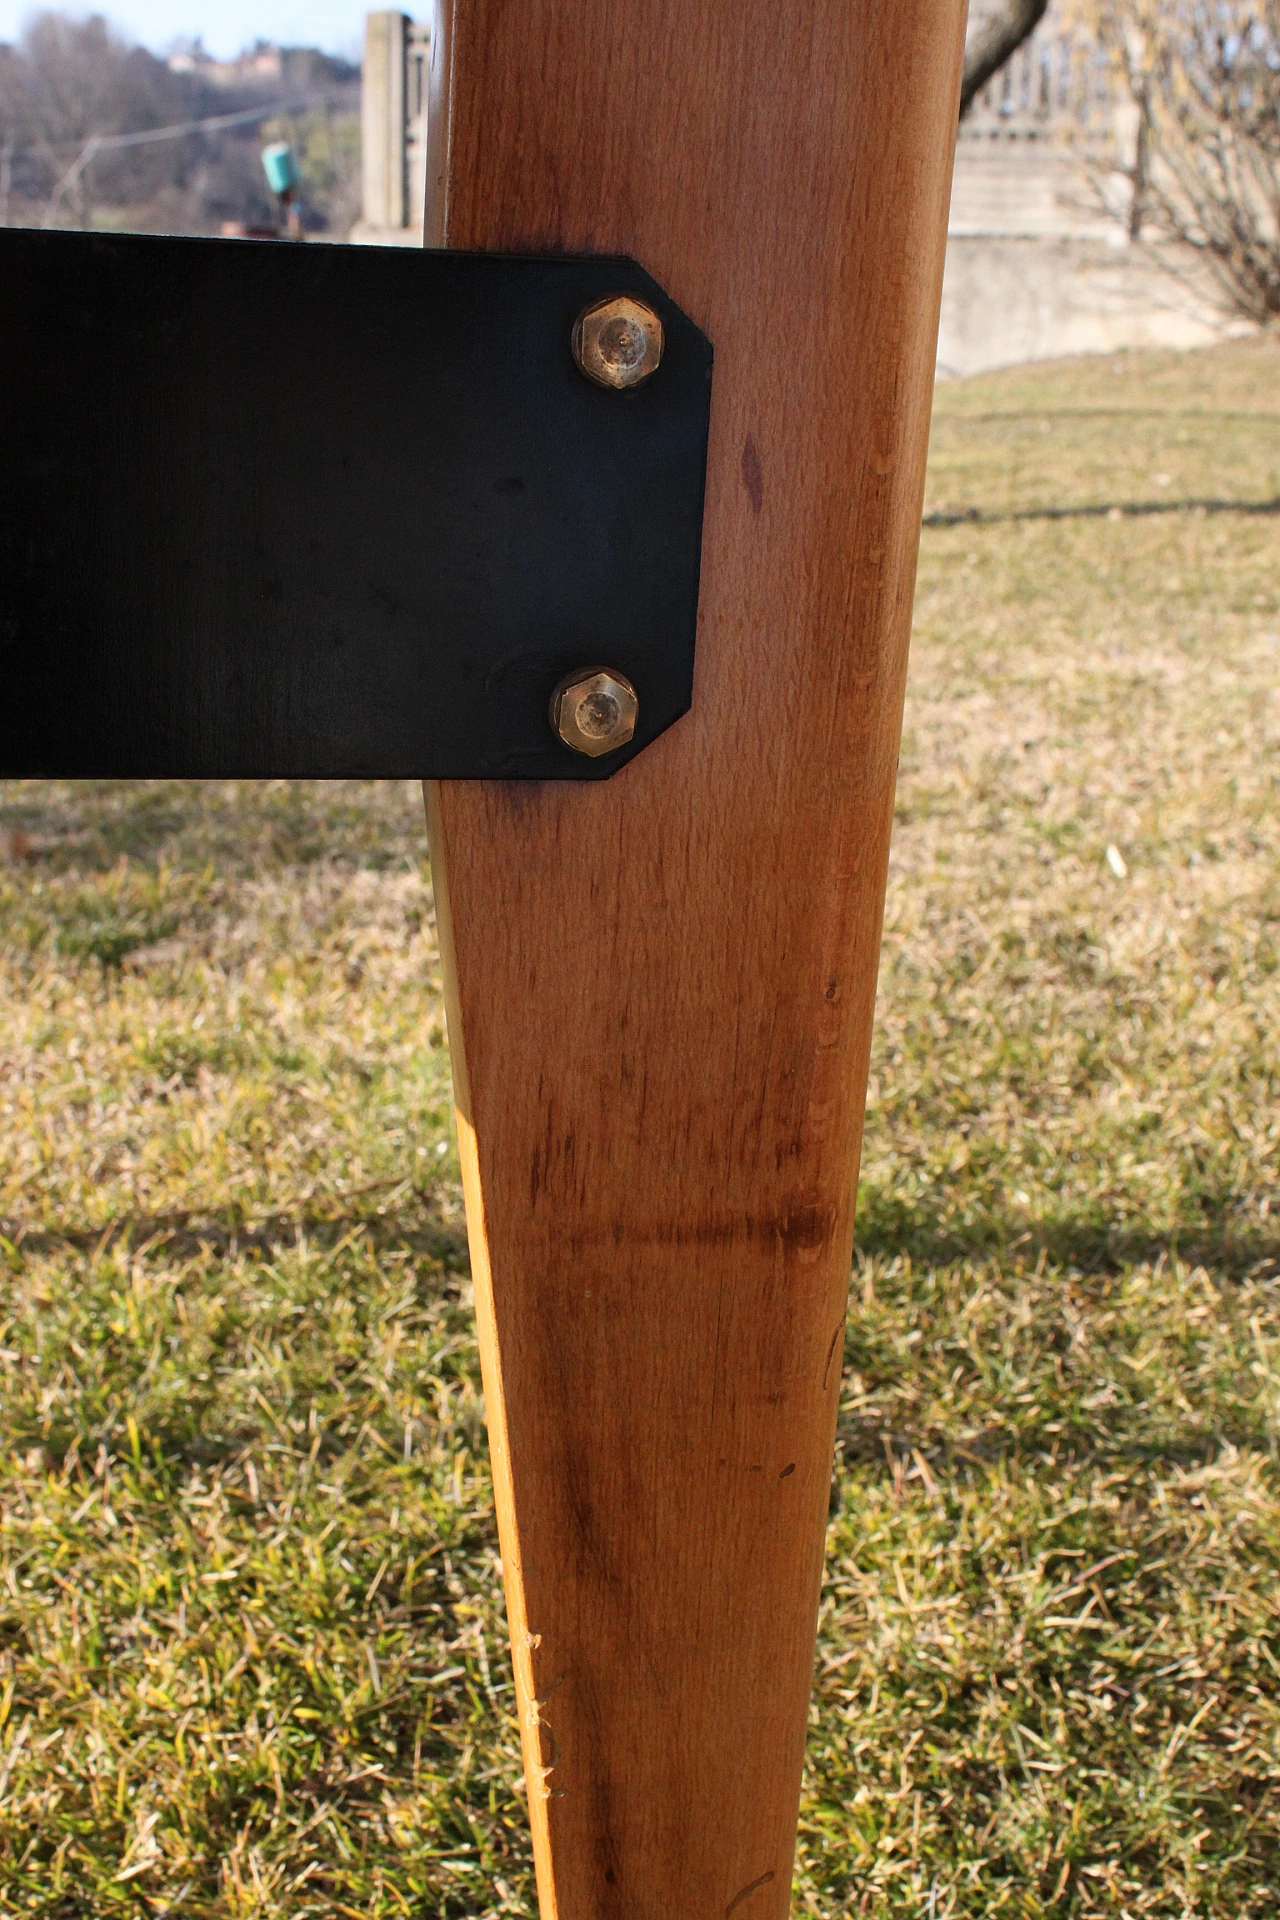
[280, 167]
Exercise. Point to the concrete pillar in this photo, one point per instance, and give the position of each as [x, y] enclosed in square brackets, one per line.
[393, 114]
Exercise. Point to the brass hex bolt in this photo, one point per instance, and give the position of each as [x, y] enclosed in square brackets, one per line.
[594, 710]
[618, 341]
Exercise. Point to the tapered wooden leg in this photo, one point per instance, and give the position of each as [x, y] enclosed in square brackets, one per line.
[662, 987]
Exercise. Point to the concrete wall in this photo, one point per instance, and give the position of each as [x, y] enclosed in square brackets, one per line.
[1037, 264]
[1008, 298]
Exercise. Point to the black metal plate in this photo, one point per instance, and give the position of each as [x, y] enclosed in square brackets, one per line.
[274, 509]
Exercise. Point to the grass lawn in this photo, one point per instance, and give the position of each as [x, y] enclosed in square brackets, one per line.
[252, 1658]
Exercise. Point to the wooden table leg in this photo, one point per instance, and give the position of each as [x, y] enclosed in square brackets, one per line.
[662, 987]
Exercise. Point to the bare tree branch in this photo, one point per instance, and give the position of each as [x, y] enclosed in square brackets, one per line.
[1204, 78]
[997, 40]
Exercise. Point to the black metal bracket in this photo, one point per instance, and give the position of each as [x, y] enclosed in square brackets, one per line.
[273, 509]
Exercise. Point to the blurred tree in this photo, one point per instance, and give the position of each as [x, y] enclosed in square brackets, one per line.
[72, 86]
[69, 82]
[1203, 168]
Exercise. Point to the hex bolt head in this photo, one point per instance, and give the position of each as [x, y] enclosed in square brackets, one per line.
[618, 342]
[594, 710]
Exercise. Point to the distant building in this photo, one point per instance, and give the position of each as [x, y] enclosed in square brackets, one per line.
[393, 130]
[261, 64]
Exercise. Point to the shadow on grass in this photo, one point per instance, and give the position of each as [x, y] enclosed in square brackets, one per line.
[316, 1323]
[1007, 1389]
[1091, 1243]
[235, 827]
[1115, 510]
[400, 1216]
[880, 1453]
[187, 1232]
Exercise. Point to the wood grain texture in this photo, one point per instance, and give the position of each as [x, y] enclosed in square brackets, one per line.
[661, 988]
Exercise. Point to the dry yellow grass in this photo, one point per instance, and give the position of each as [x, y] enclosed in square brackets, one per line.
[1049, 1662]
[251, 1647]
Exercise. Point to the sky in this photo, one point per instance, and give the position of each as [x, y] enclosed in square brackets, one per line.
[225, 25]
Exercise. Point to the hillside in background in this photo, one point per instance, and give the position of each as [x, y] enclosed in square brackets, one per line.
[97, 132]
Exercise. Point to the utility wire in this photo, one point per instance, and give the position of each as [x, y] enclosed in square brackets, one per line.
[210, 124]
[101, 142]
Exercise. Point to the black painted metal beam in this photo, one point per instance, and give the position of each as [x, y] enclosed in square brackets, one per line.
[274, 509]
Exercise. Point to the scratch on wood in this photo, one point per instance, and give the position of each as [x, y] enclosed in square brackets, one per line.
[831, 1354]
[750, 1887]
[752, 475]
